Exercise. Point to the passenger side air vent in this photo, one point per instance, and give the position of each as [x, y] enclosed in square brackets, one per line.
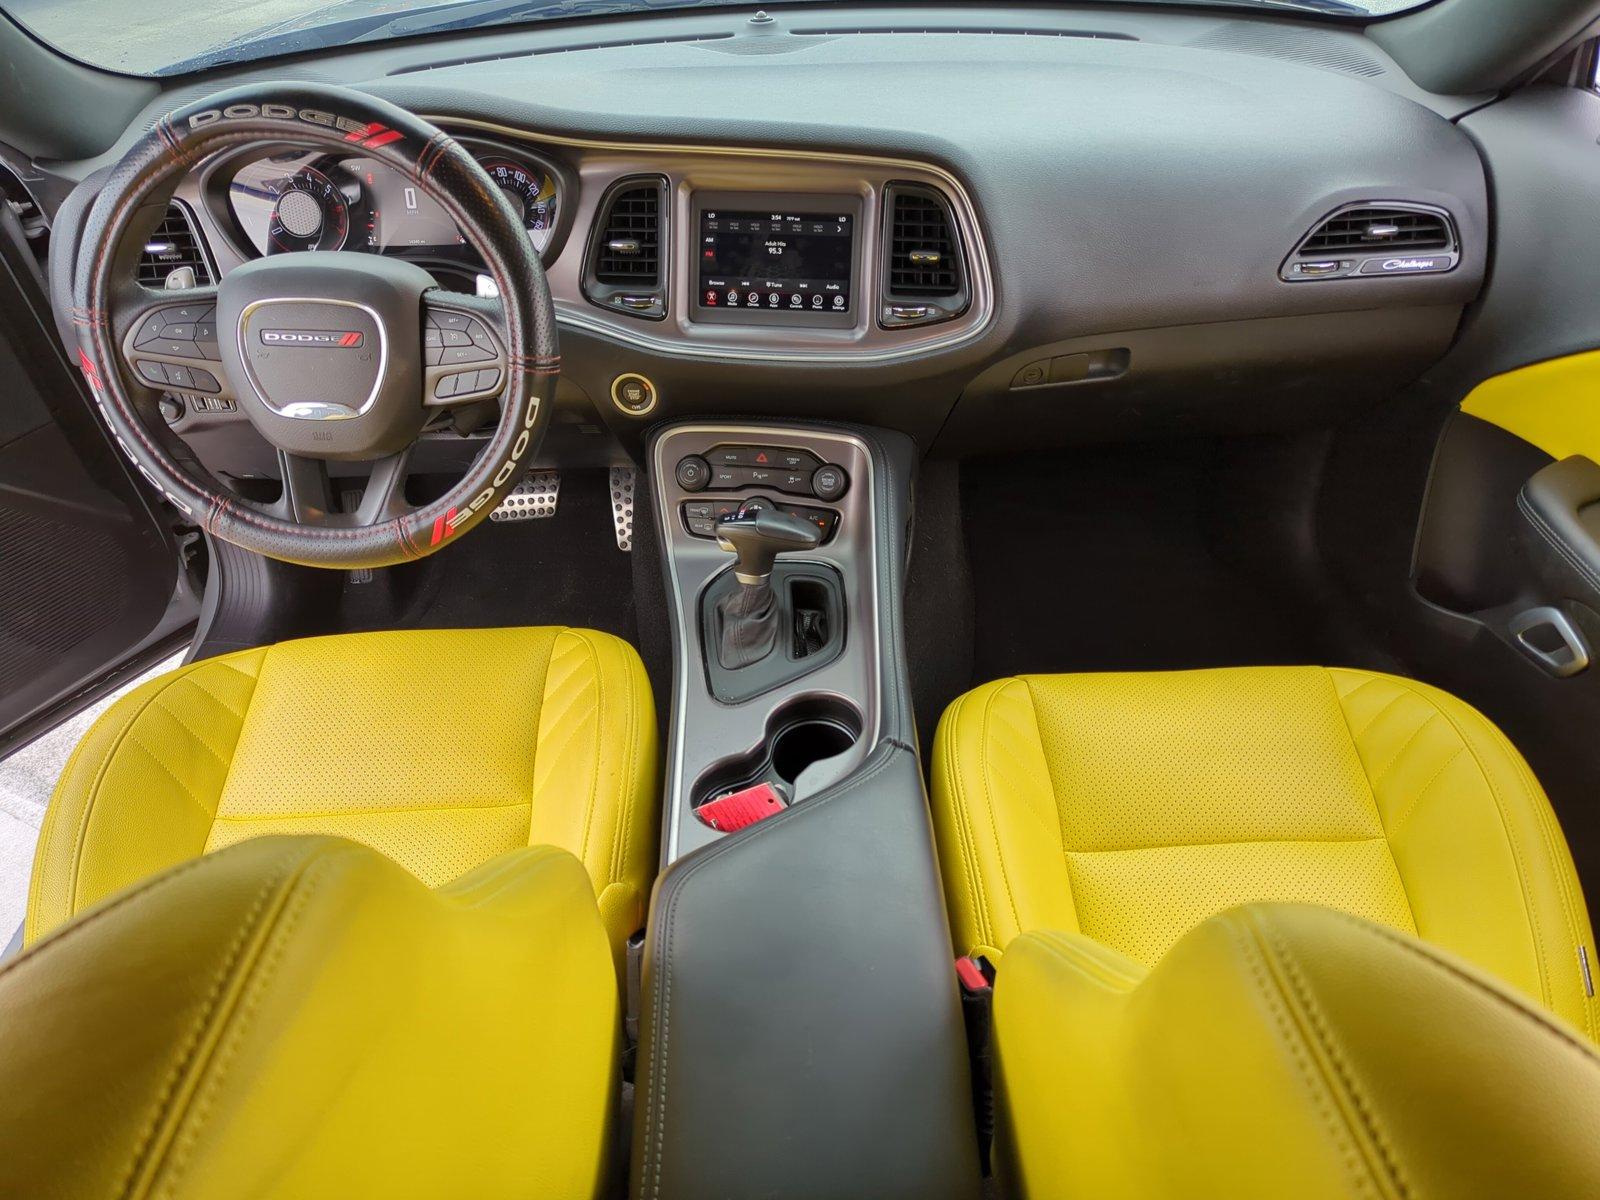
[625, 269]
[174, 244]
[924, 275]
[1377, 238]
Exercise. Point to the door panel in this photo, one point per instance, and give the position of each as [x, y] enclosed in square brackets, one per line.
[89, 576]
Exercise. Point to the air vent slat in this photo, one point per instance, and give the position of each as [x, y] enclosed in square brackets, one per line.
[629, 248]
[174, 244]
[923, 258]
[1360, 229]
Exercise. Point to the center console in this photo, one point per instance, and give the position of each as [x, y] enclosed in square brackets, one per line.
[797, 974]
[770, 543]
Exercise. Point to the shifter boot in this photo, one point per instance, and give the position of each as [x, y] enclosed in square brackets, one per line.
[747, 625]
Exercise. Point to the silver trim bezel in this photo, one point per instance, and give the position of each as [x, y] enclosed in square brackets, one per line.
[310, 410]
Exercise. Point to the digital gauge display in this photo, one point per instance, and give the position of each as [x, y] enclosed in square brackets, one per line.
[311, 201]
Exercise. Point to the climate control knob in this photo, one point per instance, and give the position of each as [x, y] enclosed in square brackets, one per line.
[694, 473]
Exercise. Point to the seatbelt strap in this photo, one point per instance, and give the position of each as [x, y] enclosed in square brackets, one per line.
[976, 976]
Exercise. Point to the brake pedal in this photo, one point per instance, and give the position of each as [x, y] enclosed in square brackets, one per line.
[531, 500]
[622, 481]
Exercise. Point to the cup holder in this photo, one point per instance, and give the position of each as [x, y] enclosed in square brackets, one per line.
[801, 734]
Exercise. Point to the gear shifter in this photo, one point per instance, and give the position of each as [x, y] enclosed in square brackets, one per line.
[748, 620]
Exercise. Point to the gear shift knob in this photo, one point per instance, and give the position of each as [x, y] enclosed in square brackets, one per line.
[758, 535]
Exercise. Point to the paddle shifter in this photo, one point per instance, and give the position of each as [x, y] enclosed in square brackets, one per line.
[750, 618]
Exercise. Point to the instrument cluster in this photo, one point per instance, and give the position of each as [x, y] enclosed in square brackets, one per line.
[299, 199]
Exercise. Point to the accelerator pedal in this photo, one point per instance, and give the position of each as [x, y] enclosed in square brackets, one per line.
[532, 499]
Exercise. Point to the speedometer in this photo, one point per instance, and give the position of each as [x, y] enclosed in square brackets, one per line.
[532, 193]
[312, 212]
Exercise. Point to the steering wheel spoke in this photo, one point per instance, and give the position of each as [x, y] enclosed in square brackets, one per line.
[385, 497]
[307, 491]
[168, 339]
[465, 358]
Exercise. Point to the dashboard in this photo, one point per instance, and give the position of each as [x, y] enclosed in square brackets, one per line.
[1102, 223]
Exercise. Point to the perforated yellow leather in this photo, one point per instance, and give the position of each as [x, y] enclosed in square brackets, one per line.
[300, 1017]
[440, 748]
[1284, 1050]
[1131, 807]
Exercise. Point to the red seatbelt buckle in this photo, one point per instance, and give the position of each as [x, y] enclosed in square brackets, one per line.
[736, 810]
[975, 974]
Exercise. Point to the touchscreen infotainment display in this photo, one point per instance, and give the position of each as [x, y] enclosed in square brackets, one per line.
[777, 262]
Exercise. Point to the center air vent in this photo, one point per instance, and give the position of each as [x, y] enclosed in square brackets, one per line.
[625, 271]
[1376, 238]
[174, 244]
[924, 277]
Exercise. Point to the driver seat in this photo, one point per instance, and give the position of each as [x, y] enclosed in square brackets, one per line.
[441, 749]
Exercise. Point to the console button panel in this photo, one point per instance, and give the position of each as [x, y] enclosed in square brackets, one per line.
[700, 517]
[784, 469]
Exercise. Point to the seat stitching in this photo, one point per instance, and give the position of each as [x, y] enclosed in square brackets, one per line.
[964, 837]
[1372, 792]
[1545, 818]
[1377, 837]
[1423, 950]
[1081, 959]
[1394, 760]
[255, 976]
[1416, 800]
[622, 830]
[988, 798]
[74, 878]
[133, 740]
[1078, 967]
[105, 910]
[1356, 736]
[600, 724]
[1511, 841]
[1292, 1036]
[366, 812]
[192, 1037]
[1315, 1021]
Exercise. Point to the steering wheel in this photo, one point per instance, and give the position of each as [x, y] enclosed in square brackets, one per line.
[332, 355]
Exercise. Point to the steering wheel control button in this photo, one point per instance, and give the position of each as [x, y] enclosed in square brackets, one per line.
[829, 482]
[153, 372]
[693, 474]
[633, 394]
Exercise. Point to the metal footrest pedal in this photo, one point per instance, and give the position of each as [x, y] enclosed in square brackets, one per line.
[532, 499]
[622, 482]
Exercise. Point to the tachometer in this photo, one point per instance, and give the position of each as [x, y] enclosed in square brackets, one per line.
[312, 211]
[532, 193]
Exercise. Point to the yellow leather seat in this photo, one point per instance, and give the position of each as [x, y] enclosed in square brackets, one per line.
[1284, 1050]
[300, 1017]
[439, 748]
[1131, 807]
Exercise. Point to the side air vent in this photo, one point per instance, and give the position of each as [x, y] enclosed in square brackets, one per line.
[925, 275]
[1376, 238]
[174, 244]
[625, 270]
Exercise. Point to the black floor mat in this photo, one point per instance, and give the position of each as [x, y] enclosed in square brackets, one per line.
[561, 570]
[1118, 559]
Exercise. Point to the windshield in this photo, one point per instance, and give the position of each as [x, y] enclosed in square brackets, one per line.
[158, 39]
